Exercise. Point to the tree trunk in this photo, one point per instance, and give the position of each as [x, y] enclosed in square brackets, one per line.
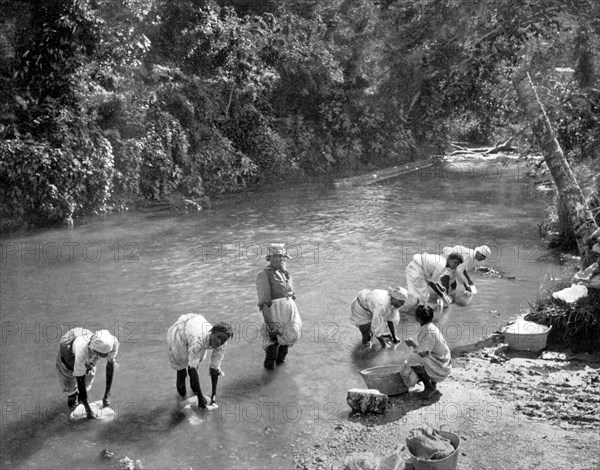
[570, 193]
[565, 228]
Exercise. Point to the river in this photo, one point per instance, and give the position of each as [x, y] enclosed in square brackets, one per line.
[135, 273]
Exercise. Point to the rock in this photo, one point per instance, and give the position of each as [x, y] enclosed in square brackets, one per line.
[107, 454]
[546, 186]
[361, 461]
[367, 400]
[128, 464]
[191, 205]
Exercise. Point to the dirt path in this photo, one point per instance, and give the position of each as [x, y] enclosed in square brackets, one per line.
[512, 410]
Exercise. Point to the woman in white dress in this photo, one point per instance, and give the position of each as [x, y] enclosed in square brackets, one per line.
[430, 362]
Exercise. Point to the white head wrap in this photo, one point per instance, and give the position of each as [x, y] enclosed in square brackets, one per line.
[398, 293]
[102, 341]
[484, 250]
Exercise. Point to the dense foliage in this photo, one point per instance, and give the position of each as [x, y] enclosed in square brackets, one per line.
[107, 101]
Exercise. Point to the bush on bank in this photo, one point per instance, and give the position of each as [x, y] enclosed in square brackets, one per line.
[200, 99]
[41, 183]
[575, 325]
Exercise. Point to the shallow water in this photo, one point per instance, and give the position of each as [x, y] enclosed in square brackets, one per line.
[135, 273]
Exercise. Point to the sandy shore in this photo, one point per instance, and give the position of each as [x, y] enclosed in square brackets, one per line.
[511, 409]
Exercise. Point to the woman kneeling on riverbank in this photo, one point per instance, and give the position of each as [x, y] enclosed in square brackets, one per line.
[430, 361]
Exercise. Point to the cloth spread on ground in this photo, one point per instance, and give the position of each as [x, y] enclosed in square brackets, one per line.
[426, 443]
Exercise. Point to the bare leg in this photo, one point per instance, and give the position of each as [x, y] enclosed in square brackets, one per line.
[281, 354]
[195, 384]
[271, 356]
[181, 376]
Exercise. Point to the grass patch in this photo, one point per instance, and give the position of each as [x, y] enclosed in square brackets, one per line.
[575, 325]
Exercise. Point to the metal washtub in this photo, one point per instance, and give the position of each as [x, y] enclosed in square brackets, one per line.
[386, 379]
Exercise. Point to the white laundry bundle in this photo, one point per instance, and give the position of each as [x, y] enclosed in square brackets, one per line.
[571, 294]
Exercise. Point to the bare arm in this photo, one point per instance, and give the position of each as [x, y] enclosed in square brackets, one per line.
[469, 281]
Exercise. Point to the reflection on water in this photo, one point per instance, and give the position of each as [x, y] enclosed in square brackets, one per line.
[134, 274]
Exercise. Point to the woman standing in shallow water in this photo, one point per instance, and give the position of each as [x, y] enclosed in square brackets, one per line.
[276, 296]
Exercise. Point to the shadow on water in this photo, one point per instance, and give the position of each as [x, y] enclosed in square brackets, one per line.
[147, 426]
[23, 438]
[253, 385]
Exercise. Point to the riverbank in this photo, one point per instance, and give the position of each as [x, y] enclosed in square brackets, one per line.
[176, 201]
[511, 409]
[364, 175]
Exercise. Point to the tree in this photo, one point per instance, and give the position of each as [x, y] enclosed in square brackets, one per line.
[59, 37]
[582, 221]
